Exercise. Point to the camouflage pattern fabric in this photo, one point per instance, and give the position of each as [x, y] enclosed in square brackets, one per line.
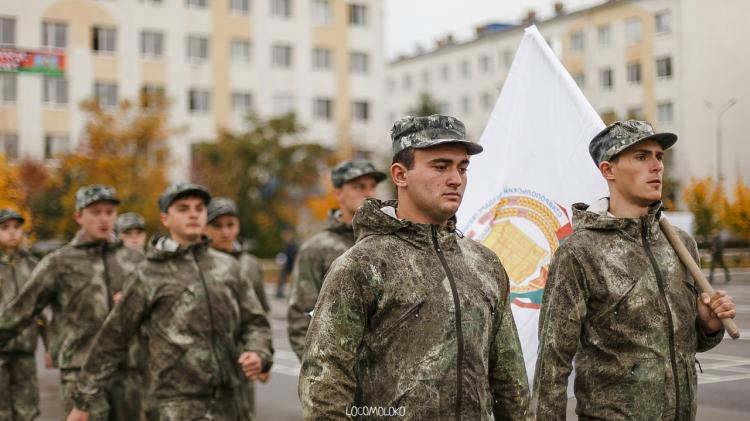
[128, 221]
[424, 132]
[349, 170]
[313, 260]
[221, 206]
[89, 195]
[15, 271]
[199, 316]
[387, 332]
[619, 300]
[620, 135]
[8, 214]
[179, 190]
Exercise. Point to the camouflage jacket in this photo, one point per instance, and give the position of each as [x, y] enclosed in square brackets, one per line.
[619, 300]
[313, 260]
[77, 281]
[14, 273]
[416, 319]
[199, 316]
[252, 270]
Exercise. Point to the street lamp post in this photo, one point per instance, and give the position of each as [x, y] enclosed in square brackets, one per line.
[719, 115]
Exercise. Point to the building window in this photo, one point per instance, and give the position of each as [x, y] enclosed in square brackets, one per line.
[199, 101]
[239, 50]
[445, 72]
[577, 42]
[466, 105]
[604, 36]
[8, 88]
[7, 31]
[322, 109]
[486, 100]
[242, 102]
[665, 113]
[197, 48]
[663, 22]
[283, 104]
[359, 63]
[634, 73]
[322, 13]
[281, 8]
[239, 7]
[54, 35]
[103, 40]
[197, 4]
[152, 95]
[606, 81]
[54, 91]
[361, 111]
[633, 30]
[55, 145]
[322, 59]
[484, 64]
[580, 79]
[664, 68]
[357, 15]
[281, 56]
[406, 82]
[152, 44]
[105, 94]
[9, 145]
[465, 69]
[636, 113]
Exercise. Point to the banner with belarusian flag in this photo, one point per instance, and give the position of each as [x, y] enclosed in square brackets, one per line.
[534, 167]
[48, 63]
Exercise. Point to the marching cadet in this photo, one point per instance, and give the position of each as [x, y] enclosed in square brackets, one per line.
[19, 392]
[131, 230]
[353, 182]
[223, 229]
[205, 325]
[414, 320]
[619, 300]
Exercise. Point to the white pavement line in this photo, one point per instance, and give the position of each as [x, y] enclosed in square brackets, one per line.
[288, 370]
[731, 367]
[285, 355]
[723, 357]
[723, 379]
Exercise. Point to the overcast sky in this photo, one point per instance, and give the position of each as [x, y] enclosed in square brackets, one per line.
[413, 22]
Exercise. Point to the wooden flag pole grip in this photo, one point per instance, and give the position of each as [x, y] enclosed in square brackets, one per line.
[695, 271]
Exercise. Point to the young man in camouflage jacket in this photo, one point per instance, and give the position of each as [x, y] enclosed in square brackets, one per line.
[619, 300]
[204, 323]
[414, 320]
[81, 283]
[353, 182]
[19, 392]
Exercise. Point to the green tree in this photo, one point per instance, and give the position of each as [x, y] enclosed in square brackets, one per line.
[268, 170]
[425, 106]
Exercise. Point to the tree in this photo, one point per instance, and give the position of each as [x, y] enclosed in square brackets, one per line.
[426, 106]
[708, 203]
[12, 194]
[268, 170]
[127, 149]
[738, 212]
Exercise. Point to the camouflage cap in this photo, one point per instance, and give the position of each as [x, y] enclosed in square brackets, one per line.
[10, 214]
[129, 220]
[221, 206]
[425, 132]
[88, 195]
[180, 190]
[349, 170]
[619, 135]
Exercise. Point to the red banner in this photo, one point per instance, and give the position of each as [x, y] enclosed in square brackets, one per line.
[50, 63]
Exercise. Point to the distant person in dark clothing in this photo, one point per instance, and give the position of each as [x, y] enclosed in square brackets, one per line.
[286, 260]
[717, 257]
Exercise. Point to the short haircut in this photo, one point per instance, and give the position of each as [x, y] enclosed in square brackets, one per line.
[405, 157]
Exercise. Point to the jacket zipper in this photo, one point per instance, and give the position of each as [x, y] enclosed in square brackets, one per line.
[459, 330]
[210, 316]
[106, 276]
[13, 274]
[670, 322]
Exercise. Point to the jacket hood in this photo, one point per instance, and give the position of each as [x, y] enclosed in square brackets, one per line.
[377, 217]
[162, 248]
[597, 217]
[335, 225]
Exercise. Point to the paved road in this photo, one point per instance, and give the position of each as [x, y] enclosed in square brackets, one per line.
[722, 390]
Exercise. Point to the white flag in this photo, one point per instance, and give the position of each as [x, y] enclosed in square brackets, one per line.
[535, 165]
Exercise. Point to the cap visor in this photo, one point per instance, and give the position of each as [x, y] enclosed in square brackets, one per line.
[666, 140]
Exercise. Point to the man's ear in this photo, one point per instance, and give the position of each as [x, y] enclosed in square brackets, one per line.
[607, 170]
[77, 216]
[399, 175]
[164, 218]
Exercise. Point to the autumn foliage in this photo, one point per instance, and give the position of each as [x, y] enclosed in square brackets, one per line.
[713, 210]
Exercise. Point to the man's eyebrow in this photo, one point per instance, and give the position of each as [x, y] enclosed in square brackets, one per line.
[441, 161]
